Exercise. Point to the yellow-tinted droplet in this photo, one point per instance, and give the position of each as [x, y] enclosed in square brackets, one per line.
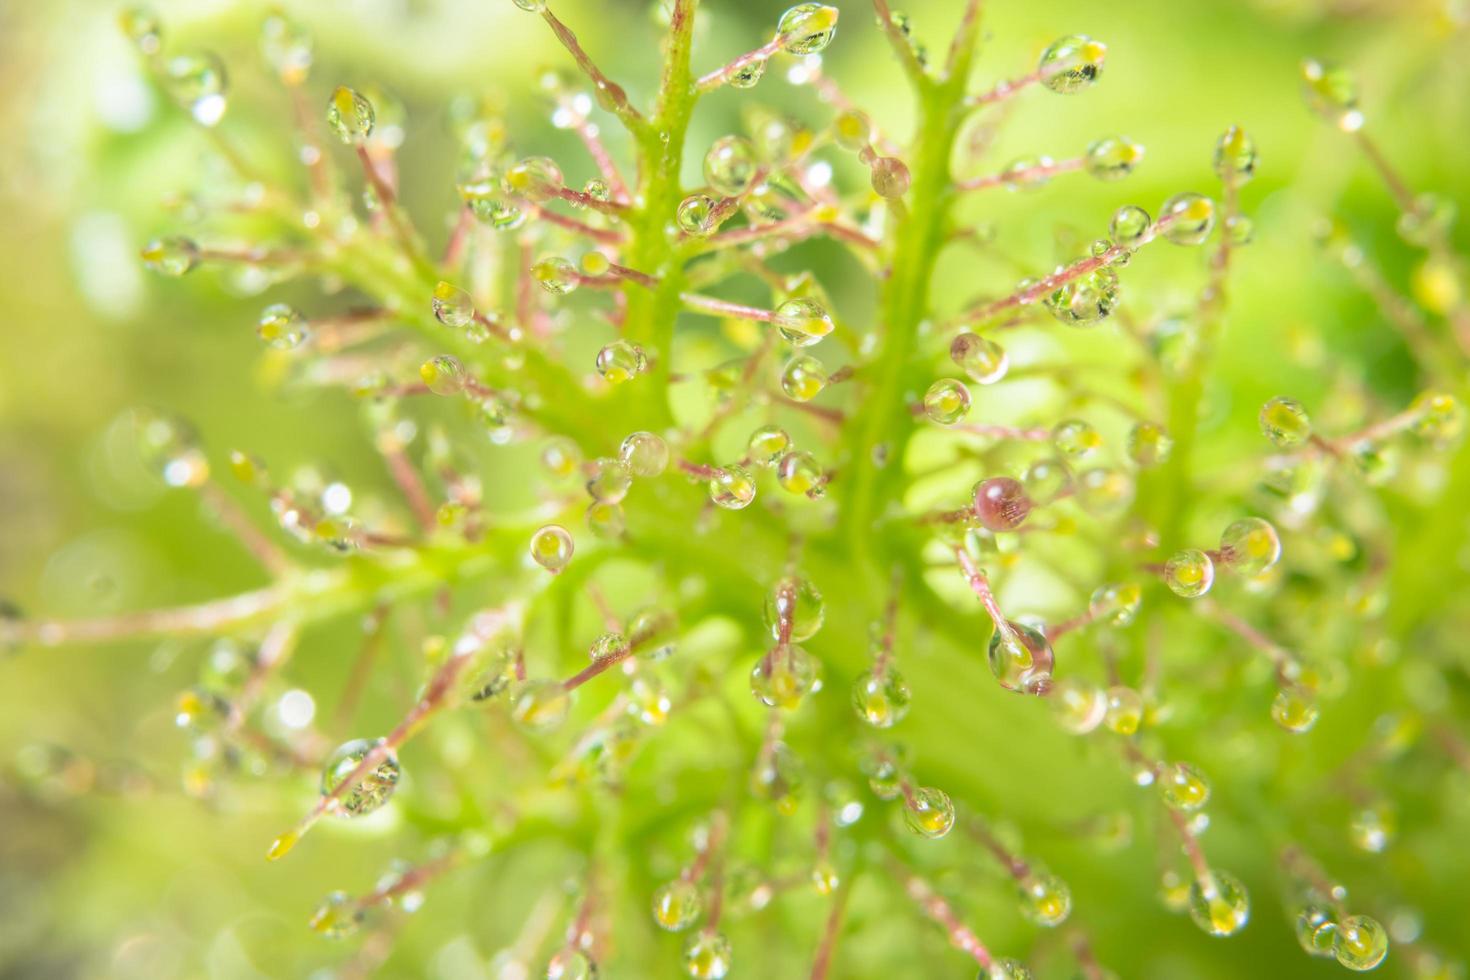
[282, 845]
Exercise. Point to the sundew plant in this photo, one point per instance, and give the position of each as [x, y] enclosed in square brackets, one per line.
[757, 532]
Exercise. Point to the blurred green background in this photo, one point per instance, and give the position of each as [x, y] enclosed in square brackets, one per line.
[107, 869]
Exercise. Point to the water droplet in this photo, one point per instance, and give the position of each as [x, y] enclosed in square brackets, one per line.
[571, 964]
[282, 327]
[1001, 503]
[1439, 418]
[170, 448]
[198, 81]
[1005, 969]
[797, 598]
[286, 46]
[803, 378]
[1021, 659]
[748, 74]
[802, 322]
[1189, 573]
[1149, 444]
[1125, 710]
[1192, 218]
[535, 177]
[610, 480]
[694, 215]
[490, 203]
[540, 705]
[929, 812]
[552, 547]
[767, 444]
[979, 357]
[1129, 224]
[1045, 899]
[1428, 221]
[707, 956]
[561, 456]
[732, 488]
[730, 165]
[852, 130]
[174, 256]
[375, 787]
[350, 115]
[606, 520]
[1219, 905]
[784, 677]
[1285, 422]
[676, 905]
[1113, 158]
[1235, 155]
[444, 375]
[621, 361]
[338, 917]
[1079, 705]
[947, 401]
[555, 275]
[1359, 942]
[1332, 93]
[1076, 438]
[890, 177]
[1115, 605]
[807, 28]
[645, 453]
[1085, 300]
[1184, 787]
[1046, 479]
[141, 26]
[1072, 63]
[452, 306]
[1294, 710]
[1250, 546]
[881, 697]
[799, 472]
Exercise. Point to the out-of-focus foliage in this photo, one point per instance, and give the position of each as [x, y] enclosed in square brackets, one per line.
[109, 866]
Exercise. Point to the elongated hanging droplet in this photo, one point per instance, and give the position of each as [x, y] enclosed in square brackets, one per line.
[350, 115]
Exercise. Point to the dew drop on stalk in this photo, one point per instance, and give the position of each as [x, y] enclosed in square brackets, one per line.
[1332, 93]
[571, 964]
[783, 677]
[1113, 157]
[1130, 223]
[730, 165]
[444, 375]
[1086, 300]
[749, 74]
[372, 790]
[852, 130]
[890, 177]
[1001, 503]
[1315, 928]
[170, 448]
[767, 444]
[1285, 422]
[282, 327]
[1045, 899]
[982, 359]
[1184, 788]
[174, 256]
[645, 453]
[452, 306]
[1250, 546]
[198, 81]
[676, 905]
[1079, 705]
[561, 457]
[350, 115]
[1115, 605]
[1021, 659]
[881, 697]
[534, 6]
[1191, 218]
[595, 263]
[552, 547]
[1149, 444]
[610, 480]
[1372, 828]
[803, 378]
[807, 28]
[140, 25]
[1220, 904]
[1076, 438]
[694, 215]
[555, 275]
[800, 473]
[1294, 710]
[1439, 418]
[337, 917]
[1028, 173]
[1359, 942]
[608, 644]
[1004, 969]
[797, 599]
[490, 203]
[540, 705]
[947, 401]
[606, 520]
[929, 812]
[621, 361]
[535, 177]
[1125, 710]
[1071, 64]
[707, 956]
[1235, 155]
[1189, 573]
[1046, 479]
[732, 487]
[802, 322]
